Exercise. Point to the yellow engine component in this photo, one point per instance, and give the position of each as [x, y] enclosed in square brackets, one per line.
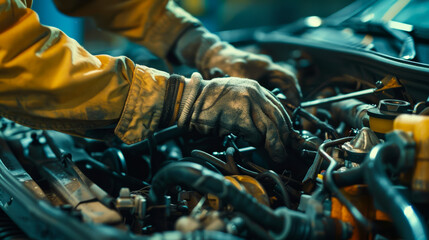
[380, 125]
[360, 197]
[381, 118]
[243, 183]
[418, 126]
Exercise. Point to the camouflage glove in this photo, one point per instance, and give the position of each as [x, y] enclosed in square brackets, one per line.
[229, 105]
[213, 57]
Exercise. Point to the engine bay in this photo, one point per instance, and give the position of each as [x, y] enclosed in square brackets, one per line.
[360, 171]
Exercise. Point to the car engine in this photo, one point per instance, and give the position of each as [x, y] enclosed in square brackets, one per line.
[360, 171]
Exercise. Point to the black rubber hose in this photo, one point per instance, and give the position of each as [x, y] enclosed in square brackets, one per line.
[255, 231]
[206, 181]
[406, 219]
[350, 177]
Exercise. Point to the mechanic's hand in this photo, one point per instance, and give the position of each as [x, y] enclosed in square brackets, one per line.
[223, 57]
[215, 58]
[234, 105]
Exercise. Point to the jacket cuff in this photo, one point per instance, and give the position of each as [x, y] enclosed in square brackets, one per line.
[172, 99]
[143, 108]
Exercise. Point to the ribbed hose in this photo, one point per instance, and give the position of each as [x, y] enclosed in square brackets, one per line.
[206, 181]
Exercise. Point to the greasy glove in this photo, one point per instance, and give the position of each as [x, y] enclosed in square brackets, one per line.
[212, 57]
[229, 105]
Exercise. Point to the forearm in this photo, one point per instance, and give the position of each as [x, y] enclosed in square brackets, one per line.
[49, 81]
[155, 24]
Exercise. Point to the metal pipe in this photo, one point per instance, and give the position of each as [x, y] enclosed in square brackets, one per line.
[338, 98]
[330, 184]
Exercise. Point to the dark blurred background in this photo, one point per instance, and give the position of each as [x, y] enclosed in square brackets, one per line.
[217, 15]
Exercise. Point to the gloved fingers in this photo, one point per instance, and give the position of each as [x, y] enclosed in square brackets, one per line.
[289, 88]
[281, 77]
[274, 144]
[264, 131]
[237, 63]
[292, 139]
[242, 107]
[227, 67]
[232, 62]
[256, 115]
[217, 73]
[272, 75]
[268, 129]
[277, 130]
[270, 119]
[274, 100]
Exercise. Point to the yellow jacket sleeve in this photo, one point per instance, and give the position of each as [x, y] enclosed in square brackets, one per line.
[48, 81]
[155, 24]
